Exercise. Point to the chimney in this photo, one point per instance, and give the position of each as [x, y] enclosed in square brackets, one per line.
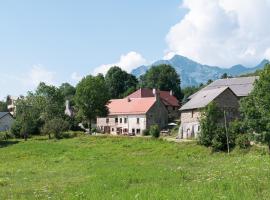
[67, 104]
[171, 92]
[128, 99]
[154, 92]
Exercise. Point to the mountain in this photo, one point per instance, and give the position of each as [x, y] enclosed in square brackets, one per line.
[194, 73]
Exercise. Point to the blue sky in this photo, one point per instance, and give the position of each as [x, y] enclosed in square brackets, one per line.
[66, 36]
[61, 41]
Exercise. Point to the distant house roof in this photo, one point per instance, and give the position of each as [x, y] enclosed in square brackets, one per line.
[130, 106]
[165, 96]
[203, 98]
[241, 86]
[3, 114]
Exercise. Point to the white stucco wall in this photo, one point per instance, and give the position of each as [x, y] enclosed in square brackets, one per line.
[6, 122]
[131, 124]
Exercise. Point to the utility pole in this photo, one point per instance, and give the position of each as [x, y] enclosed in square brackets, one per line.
[226, 130]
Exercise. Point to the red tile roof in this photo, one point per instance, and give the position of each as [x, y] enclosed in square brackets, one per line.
[166, 97]
[129, 106]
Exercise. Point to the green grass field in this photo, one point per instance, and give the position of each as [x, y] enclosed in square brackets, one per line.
[91, 167]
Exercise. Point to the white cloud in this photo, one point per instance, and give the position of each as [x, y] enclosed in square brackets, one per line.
[39, 74]
[19, 84]
[127, 62]
[222, 32]
[76, 77]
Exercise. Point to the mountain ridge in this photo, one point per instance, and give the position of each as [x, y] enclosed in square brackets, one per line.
[193, 73]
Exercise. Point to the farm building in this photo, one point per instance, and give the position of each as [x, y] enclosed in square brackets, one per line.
[6, 121]
[226, 93]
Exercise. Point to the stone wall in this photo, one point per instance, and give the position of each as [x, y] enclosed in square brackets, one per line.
[158, 114]
[190, 125]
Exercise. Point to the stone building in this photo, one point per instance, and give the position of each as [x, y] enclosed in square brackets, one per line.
[224, 92]
[169, 100]
[131, 116]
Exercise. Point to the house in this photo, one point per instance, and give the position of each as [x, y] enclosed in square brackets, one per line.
[69, 111]
[6, 121]
[170, 101]
[131, 116]
[241, 86]
[226, 93]
[11, 103]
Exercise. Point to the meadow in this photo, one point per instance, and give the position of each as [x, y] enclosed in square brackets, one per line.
[97, 167]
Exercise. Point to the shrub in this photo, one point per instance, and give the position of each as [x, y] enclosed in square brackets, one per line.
[146, 132]
[93, 130]
[219, 142]
[16, 129]
[154, 131]
[4, 135]
[243, 141]
[211, 117]
[55, 126]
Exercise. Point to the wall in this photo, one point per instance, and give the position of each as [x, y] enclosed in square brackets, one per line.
[6, 122]
[173, 112]
[190, 126]
[119, 128]
[157, 114]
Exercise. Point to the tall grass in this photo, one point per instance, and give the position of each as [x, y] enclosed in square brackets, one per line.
[90, 167]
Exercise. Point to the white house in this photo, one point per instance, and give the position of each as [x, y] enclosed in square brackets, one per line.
[131, 116]
[6, 121]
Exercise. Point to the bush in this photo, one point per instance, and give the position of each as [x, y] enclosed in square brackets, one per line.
[154, 131]
[16, 129]
[5, 135]
[55, 126]
[243, 141]
[219, 142]
[146, 132]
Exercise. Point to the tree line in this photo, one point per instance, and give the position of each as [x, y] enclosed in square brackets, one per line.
[42, 111]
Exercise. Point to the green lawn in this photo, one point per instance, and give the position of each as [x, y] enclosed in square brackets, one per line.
[129, 168]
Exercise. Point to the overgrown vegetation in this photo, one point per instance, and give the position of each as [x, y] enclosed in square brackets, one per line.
[154, 131]
[128, 168]
[255, 108]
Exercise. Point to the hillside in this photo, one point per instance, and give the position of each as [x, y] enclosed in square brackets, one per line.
[193, 73]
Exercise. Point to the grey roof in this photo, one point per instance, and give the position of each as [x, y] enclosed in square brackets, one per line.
[203, 98]
[241, 86]
[2, 114]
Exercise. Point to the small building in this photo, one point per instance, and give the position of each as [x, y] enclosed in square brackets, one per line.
[6, 120]
[11, 104]
[169, 100]
[131, 116]
[226, 93]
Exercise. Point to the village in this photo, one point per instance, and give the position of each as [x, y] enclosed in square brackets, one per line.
[136, 113]
[135, 100]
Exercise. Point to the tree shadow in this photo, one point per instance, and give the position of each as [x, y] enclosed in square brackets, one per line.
[6, 143]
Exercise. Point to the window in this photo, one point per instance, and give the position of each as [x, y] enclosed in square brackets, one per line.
[112, 129]
[138, 120]
[120, 120]
[116, 120]
[192, 114]
[138, 131]
[125, 120]
[133, 131]
[199, 128]
[107, 120]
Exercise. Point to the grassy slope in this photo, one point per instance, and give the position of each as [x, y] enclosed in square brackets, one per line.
[129, 168]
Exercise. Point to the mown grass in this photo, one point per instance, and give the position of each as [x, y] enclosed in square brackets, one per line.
[90, 167]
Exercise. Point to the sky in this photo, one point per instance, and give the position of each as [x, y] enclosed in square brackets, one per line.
[64, 40]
